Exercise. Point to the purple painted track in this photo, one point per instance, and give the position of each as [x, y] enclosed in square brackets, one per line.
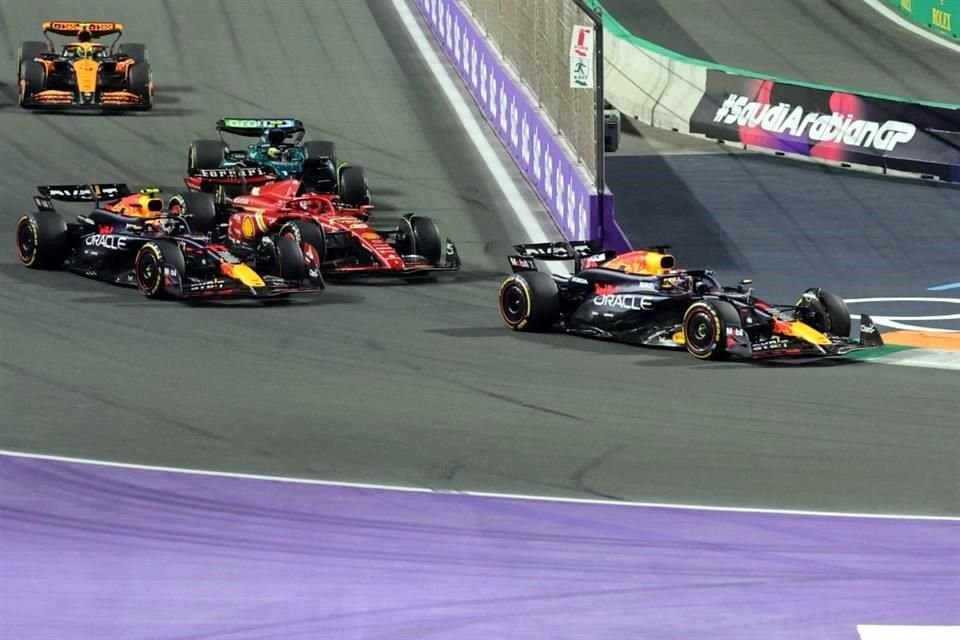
[108, 553]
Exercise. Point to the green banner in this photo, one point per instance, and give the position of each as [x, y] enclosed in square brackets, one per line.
[936, 15]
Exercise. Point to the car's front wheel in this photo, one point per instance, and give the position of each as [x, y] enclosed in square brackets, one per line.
[160, 269]
[704, 331]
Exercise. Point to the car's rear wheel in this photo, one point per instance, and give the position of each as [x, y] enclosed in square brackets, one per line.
[42, 240]
[826, 312]
[140, 82]
[704, 331]
[29, 50]
[198, 207]
[205, 154]
[315, 149]
[353, 190]
[135, 50]
[150, 267]
[529, 301]
[32, 78]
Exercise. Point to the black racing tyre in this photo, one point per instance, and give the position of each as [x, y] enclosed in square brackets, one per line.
[139, 82]
[529, 301]
[30, 49]
[705, 329]
[352, 188]
[418, 235]
[42, 240]
[310, 236]
[826, 312]
[150, 266]
[32, 79]
[313, 149]
[135, 50]
[205, 154]
[198, 207]
[286, 258]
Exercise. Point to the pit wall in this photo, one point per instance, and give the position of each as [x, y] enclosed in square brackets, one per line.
[884, 134]
[543, 155]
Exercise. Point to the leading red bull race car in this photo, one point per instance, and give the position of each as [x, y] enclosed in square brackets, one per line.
[338, 236]
[642, 298]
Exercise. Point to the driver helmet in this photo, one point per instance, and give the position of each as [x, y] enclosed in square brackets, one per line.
[275, 138]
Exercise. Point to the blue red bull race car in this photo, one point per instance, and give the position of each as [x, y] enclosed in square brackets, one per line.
[642, 298]
[133, 239]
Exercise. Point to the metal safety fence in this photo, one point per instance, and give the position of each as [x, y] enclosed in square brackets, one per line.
[535, 38]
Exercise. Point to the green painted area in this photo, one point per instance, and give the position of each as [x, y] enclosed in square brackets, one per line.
[613, 27]
[937, 16]
[874, 354]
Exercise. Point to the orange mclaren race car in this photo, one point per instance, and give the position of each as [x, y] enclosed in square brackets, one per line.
[84, 73]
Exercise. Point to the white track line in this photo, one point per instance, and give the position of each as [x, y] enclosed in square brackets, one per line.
[476, 494]
[452, 88]
[892, 15]
[530, 222]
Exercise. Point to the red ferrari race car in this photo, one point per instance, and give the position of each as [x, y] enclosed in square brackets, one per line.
[338, 236]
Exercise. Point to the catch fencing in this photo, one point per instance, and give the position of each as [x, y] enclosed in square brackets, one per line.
[534, 37]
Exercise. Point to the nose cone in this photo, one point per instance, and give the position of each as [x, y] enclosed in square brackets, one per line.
[86, 71]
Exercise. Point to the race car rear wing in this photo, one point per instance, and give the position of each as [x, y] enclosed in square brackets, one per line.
[578, 251]
[254, 127]
[75, 28]
[94, 192]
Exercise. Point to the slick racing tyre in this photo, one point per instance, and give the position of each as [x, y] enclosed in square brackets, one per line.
[705, 328]
[32, 78]
[315, 149]
[135, 50]
[352, 188]
[418, 235]
[529, 301]
[140, 82]
[198, 207]
[42, 240]
[205, 154]
[826, 312]
[285, 257]
[310, 236]
[29, 50]
[151, 267]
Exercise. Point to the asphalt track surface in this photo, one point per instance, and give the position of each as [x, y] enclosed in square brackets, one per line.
[842, 43]
[402, 384]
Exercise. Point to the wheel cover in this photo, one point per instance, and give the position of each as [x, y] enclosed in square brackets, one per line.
[26, 242]
[514, 304]
[700, 331]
